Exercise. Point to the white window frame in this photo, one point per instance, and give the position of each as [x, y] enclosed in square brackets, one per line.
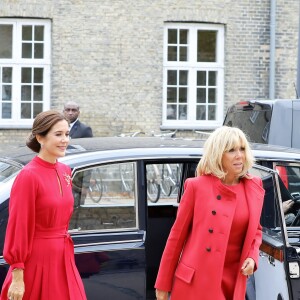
[17, 63]
[193, 66]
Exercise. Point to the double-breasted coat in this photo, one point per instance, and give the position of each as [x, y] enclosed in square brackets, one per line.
[192, 263]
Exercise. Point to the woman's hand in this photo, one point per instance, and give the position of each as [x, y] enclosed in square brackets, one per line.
[287, 205]
[161, 295]
[248, 266]
[17, 288]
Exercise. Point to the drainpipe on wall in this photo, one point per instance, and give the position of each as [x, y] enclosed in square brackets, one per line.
[272, 49]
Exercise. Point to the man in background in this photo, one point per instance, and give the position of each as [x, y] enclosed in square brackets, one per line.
[77, 128]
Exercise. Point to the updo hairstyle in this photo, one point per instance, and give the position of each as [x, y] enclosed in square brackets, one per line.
[42, 124]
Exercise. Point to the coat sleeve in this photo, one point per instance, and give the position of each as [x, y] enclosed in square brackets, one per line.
[88, 132]
[21, 220]
[254, 250]
[176, 239]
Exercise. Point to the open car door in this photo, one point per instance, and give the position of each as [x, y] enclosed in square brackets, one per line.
[278, 268]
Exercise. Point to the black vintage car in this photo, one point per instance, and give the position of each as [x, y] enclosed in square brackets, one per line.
[126, 193]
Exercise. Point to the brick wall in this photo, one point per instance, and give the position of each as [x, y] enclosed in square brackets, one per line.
[108, 55]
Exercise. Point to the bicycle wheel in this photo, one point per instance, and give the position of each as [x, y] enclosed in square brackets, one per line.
[95, 189]
[167, 182]
[153, 191]
[176, 173]
[153, 183]
[127, 176]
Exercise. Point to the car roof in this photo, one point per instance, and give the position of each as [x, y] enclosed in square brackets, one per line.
[146, 145]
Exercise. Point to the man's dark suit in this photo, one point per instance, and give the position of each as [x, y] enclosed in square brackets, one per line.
[80, 130]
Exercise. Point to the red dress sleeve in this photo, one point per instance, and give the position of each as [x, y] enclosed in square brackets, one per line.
[21, 220]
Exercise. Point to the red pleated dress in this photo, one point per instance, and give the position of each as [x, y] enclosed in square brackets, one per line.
[37, 240]
[236, 241]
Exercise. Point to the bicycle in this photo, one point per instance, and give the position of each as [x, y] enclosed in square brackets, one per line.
[131, 134]
[153, 182]
[95, 188]
[162, 134]
[170, 179]
[127, 176]
[156, 179]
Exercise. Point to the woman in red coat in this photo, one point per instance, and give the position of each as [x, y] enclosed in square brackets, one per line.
[214, 243]
[37, 246]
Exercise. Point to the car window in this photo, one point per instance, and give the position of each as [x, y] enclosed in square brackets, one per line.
[105, 198]
[290, 190]
[290, 175]
[270, 216]
[163, 182]
[253, 118]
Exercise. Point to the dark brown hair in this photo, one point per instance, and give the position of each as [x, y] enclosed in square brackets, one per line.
[42, 124]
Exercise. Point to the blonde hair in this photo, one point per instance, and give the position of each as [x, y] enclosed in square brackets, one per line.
[220, 141]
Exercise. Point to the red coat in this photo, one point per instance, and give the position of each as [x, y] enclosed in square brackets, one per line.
[202, 227]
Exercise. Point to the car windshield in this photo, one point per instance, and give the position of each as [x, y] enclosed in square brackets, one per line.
[253, 119]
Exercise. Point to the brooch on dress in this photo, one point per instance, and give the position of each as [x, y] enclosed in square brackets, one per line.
[67, 179]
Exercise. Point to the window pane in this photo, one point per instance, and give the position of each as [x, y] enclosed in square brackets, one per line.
[171, 95]
[171, 112]
[201, 112]
[183, 54]
[206, 51]
[37, 108]
[183, 36]
[168, 177]
[105, 198]
[182, 95]
[172, 36]
[26, 75]
[212, 112]
[25, 111]
[183, 77]
[172, 53]
[38, 51]
[172, 77]
[201, 95]
[6, 32]
[201, 78]
[38, 75]
[212, 95]
[7, 75]
[26, 93]
[182, 112]
[212, 78]
[6, 92]
[6, 111]
[38, 93]
[39, 33]
[26, 50]
[27, 33]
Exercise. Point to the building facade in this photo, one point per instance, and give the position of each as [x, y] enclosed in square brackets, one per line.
[142, 65]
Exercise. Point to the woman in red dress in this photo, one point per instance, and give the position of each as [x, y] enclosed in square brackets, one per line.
[37, 246]
[214, 243]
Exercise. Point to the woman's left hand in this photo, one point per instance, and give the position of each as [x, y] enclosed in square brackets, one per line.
[248, 266]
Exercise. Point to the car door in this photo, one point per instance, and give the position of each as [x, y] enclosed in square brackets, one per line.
[278, 274]
[108, 231]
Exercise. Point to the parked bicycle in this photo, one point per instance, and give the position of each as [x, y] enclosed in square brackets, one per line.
[127, 177]
[160, 178]
[95, 189]
[153, 182]
[171, 176]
